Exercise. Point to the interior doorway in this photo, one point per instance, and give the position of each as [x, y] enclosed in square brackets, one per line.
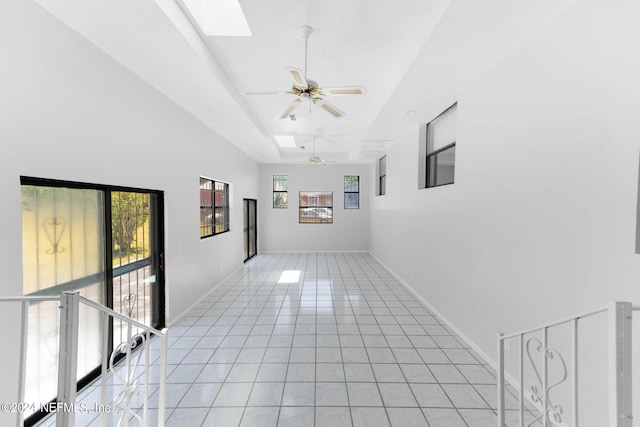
[250, 229]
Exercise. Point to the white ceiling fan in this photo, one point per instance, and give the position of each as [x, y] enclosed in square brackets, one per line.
[314, 159]
[305, 88]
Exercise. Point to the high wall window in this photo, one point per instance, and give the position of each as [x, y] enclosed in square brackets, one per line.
[440, 149]
[352, 192]
[382, 176]
[316, 207]
[280, 191]
[214, 207]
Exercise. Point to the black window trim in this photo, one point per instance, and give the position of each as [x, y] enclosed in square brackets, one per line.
[225, 207]
[273, 187]
[300, 207]
[381, 176]
[427, 169]
[439, 150]
[351, 192]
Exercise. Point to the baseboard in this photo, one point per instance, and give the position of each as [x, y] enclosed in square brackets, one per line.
[202, 298]
[458, 332]
[509, 379]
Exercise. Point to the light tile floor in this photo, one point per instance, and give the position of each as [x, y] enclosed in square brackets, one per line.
[342, 344]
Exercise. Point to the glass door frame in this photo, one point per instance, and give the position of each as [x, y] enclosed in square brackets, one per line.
[157, 255]
[246, 203]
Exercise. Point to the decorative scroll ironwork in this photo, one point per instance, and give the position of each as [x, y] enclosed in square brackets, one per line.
[540, 394]
[122, 402]
[50, 226]
[129, 303]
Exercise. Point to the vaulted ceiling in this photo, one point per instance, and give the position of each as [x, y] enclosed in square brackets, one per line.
[413, 56]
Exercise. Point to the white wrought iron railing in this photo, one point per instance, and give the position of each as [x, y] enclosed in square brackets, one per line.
[127, 367]
[535, 354]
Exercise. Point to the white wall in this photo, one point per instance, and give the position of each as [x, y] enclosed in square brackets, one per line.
[69, 111]
[541, 220]
[279, 229]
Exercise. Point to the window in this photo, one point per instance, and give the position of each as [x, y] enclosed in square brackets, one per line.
[352, 192]
[316, 207]
[280, 191]
[382, 176]
[440, 149]
[221, 207]
[214, 207]
[206, 207]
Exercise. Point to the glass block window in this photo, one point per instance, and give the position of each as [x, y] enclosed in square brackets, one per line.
[316, 207]
[352, 192]
[280, 191]
[214, 207]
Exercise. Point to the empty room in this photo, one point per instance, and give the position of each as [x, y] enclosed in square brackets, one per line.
[320, 213]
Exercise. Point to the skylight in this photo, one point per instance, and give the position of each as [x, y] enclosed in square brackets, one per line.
[219, 17]
[285, 141]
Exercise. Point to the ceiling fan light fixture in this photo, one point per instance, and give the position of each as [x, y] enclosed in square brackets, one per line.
[306, 89]
[223, 18]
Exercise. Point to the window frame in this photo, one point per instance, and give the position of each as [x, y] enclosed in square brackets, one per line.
[303, 207]
[346, 192]
[106, 276]
[206, 206]
[224, 207]
[428, 154]
[434, 153]
[280, 192]
[214, 207]
[382, 176]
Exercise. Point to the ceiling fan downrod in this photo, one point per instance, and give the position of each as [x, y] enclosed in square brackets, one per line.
[306, 33]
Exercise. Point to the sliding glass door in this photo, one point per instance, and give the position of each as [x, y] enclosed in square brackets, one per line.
[63, 249]
[136, 258]
[105, 242]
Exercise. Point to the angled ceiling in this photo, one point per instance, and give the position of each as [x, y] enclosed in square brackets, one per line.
[412, 56]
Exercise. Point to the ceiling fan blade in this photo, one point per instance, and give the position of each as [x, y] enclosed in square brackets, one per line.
[339, 91]
[334, 111]
[289, 110]
[298, 77]
[278, 92]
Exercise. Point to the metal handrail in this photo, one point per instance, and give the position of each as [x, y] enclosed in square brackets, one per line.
[556, 323]
[119, 316]
[68, 355]
[619, 318]
[30, 298]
